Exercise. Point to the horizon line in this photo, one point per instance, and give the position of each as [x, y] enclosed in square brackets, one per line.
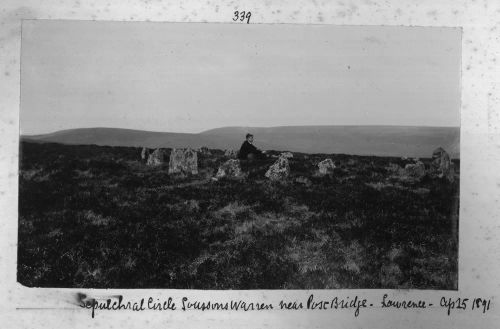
[249, 127]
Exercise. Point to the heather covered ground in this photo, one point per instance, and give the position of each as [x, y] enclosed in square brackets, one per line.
[96, 216]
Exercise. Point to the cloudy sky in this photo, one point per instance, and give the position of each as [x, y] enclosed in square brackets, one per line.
[190, 77]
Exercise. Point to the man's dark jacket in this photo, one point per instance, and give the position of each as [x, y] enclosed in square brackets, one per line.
[246, 149]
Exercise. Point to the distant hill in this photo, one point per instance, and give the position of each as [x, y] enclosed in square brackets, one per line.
[359, 140]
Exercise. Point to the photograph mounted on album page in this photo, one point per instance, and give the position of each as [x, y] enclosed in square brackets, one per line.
[172, 166]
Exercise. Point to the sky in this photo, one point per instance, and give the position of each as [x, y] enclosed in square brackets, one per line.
[191, 77]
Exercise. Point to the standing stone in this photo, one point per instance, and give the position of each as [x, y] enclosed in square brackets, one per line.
[441, 165]
[287, 155]
[183, 161]
[279, 170]
[326, 166]
[229, 169]
[145, 153]
[157, 157]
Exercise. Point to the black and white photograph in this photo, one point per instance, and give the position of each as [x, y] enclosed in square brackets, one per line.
[220, 156]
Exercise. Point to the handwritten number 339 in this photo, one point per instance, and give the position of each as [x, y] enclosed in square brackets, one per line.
[242, 15]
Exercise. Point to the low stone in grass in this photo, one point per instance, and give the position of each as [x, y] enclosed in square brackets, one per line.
[326, 167]
[410, 173]
[279, 170]
[183, 161]
[230, 169]
[415, 171]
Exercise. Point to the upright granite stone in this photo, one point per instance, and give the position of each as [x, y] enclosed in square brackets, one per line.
[326, 167]
[279, 170]
[157, 157]
[145, 153]
[229, 169]
[183, 161]
[441, 165]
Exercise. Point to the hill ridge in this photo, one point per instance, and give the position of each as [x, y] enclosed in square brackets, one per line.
[414, 141]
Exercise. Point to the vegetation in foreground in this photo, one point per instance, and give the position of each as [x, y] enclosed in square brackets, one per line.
[96, 217]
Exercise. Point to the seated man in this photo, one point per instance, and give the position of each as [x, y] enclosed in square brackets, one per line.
[248, 151]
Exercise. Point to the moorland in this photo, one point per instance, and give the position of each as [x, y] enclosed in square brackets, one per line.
[99, 217]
